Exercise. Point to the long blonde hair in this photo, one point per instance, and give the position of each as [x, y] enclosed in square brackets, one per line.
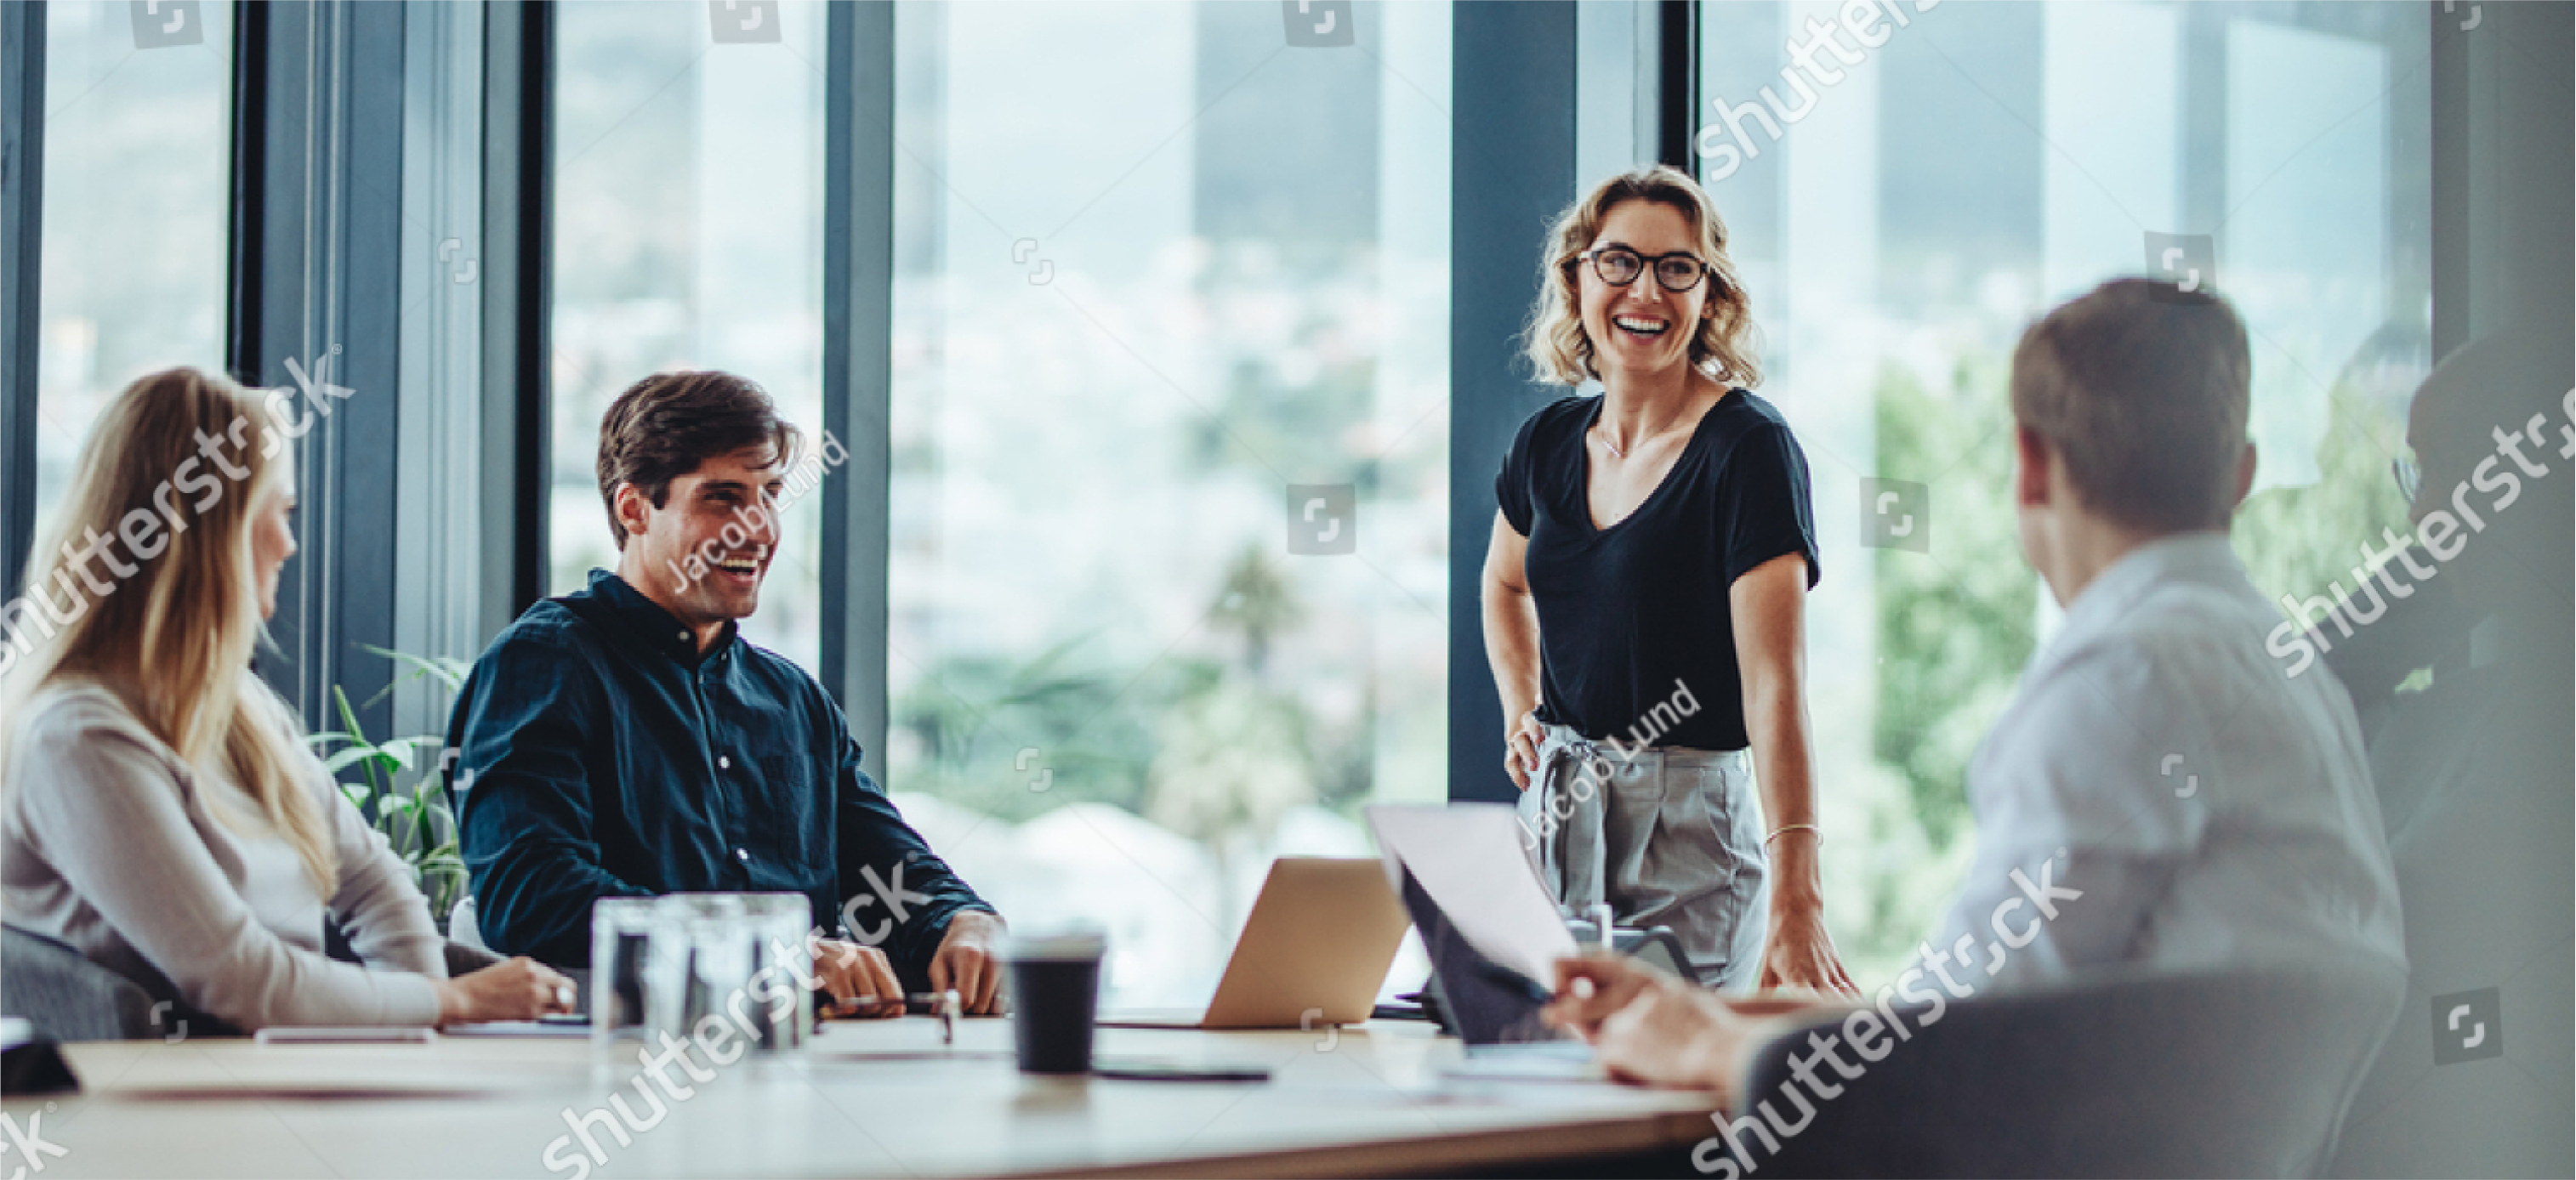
[162, 512]
[1722, 345]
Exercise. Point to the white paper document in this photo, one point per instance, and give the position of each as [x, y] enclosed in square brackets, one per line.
[1468, 857]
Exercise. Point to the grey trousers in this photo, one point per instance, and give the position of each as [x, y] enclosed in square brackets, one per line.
[1666, 836]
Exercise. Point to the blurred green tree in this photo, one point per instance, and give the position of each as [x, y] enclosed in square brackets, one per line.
[1954, 624]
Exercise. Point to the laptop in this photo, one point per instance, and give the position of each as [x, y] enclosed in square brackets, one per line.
[1491, 931]
[1314, 952]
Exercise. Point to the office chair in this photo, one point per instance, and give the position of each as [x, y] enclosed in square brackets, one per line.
[65, 996]
[2233, 1074]
[69, 998]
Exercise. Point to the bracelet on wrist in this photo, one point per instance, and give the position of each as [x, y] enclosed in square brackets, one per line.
[1785, 829]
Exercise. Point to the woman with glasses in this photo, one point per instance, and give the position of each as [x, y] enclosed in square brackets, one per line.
[158, 812]
[1644, 594]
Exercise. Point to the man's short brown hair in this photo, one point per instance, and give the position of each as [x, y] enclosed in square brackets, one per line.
[667, 424]
[2143, 387]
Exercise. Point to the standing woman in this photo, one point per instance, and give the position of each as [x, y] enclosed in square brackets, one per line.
[157, 812]
[1644, 599]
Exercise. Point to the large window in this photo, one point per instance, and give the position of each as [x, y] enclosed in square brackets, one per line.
[1902, 220]
[137, 141]
[1170, 449]
[688, 234]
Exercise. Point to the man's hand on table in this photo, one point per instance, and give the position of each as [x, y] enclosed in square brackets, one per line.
[1652, 1028]
[969, 961]
[846, 970]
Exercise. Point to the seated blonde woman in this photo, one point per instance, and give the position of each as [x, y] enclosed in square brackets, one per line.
[157, 810]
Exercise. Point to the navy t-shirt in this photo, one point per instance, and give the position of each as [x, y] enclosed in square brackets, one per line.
[1635, 616]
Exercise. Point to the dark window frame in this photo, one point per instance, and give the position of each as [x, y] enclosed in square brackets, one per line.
[22, 196]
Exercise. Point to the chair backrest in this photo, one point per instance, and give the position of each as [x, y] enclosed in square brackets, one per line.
[464, 958]
[67, 997]
[2193, 1075]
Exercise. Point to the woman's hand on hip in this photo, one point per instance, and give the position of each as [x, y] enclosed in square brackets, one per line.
[1520, 749]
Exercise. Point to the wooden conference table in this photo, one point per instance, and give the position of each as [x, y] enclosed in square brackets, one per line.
[880, 1098]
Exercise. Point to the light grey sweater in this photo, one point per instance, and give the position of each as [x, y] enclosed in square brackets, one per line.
[111, 843]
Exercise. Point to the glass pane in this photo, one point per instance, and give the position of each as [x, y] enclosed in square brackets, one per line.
[1901, 223]
[688, 235]
[137, 175]
[1170, 455]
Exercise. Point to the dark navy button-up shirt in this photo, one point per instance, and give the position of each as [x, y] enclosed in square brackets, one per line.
[600, 755]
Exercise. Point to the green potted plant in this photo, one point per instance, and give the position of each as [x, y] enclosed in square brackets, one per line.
[396, 786]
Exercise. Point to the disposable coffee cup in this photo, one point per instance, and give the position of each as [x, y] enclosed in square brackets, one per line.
[1055, 996]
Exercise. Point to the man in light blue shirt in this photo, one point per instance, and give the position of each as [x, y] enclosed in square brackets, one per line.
[2161, 795]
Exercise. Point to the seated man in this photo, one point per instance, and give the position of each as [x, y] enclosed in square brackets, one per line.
[2160, 794]
[624, 741]
[2473, 768]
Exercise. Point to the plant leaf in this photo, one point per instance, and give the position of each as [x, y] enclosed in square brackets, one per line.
[342, 760]
[357, 732]
[448, 671]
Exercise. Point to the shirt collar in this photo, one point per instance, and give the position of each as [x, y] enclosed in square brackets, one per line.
[652, 626]
[2118, 588]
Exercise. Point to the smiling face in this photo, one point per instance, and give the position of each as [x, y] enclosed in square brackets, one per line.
[703, 552]
[1641, 330]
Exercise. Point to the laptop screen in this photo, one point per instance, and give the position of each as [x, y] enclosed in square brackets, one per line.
[1486, 921]
[1490, 1004]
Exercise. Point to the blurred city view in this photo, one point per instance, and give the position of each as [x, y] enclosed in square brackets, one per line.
[133, 274]
[1154, 266]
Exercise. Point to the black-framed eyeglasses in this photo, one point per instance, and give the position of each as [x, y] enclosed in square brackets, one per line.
[2409, 477]
[1620, 266]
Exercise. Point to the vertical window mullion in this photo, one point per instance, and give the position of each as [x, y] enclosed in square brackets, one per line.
[22, 189]
[858, 319]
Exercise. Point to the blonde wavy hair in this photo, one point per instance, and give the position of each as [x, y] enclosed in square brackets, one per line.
[1562, 351]
[172, 638]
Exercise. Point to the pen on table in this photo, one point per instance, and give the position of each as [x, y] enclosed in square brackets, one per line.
[947, 1006]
